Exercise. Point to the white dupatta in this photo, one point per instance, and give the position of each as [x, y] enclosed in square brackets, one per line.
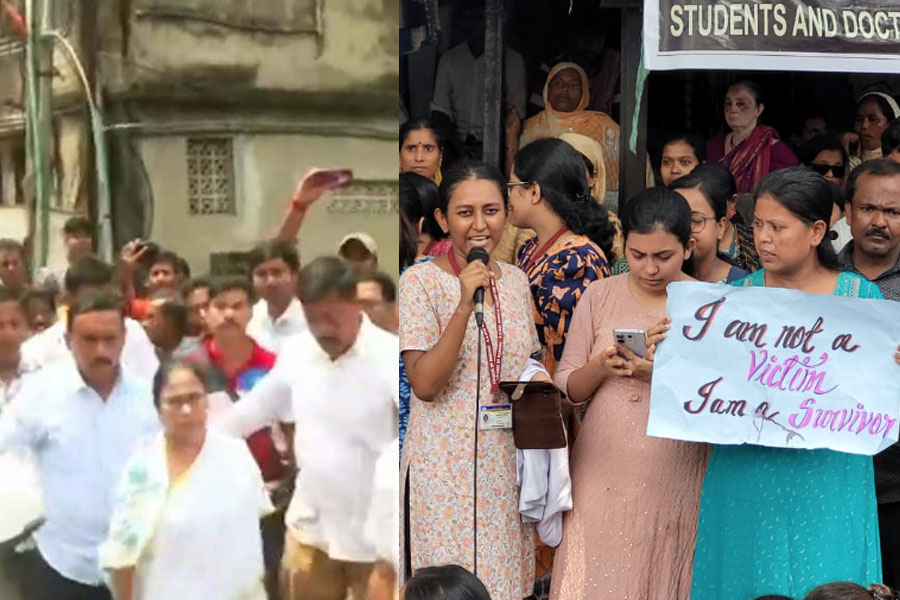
[198, 537]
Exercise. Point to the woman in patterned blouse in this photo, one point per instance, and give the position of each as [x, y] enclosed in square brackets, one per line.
[549, 193]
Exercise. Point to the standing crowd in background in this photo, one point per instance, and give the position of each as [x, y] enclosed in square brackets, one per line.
[211, 438]
[622, 514]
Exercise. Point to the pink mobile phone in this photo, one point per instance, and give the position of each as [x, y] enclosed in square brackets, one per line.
[336, 177]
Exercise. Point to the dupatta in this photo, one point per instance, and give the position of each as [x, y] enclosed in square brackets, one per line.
[750, 160]
[195, 537]
[593, 124]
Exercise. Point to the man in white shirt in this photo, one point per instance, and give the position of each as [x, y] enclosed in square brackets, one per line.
[278, 315]
[86, 275]
[13, 374]
[459, 83]
[338, 382]
[80, 420]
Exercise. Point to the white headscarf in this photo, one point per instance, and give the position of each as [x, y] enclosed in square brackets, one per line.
[887, 98]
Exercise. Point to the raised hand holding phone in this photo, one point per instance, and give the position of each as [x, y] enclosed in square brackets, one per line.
[318, 181]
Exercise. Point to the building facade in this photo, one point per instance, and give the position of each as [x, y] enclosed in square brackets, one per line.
[214, 109]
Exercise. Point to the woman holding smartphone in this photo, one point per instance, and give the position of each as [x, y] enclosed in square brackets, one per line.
[632, 530]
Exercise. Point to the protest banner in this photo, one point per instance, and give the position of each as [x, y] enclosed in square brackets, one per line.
[800, 35]
[777, 367]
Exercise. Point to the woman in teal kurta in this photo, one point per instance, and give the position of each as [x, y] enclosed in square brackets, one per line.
[775, 520]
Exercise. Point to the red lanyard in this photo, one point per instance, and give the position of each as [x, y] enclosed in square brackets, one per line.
[494, 359]
[532, 257]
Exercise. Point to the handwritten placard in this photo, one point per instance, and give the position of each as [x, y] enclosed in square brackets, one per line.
[777, 367]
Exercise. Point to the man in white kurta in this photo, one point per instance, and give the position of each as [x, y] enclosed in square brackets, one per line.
[459, 84]
[338, 383]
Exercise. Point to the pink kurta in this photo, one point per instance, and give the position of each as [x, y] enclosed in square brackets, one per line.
[438, 453]
[632, 530]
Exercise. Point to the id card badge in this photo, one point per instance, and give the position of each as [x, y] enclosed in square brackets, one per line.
[495, 416]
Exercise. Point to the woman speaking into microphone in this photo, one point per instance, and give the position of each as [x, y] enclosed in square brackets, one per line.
[445, 452]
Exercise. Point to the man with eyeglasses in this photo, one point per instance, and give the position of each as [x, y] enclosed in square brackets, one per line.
[873, 211]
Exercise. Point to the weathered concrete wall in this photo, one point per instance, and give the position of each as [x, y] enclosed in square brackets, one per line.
[326, 70]
[174, 68]
[14, 224]
[267, 169]
[290, 45]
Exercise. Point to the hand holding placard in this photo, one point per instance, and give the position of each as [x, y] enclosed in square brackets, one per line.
[777, 367]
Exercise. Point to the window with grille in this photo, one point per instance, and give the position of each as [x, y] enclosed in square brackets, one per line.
[210, 168]
[366, 198]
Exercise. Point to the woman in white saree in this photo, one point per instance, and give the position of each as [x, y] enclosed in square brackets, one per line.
[186, 520]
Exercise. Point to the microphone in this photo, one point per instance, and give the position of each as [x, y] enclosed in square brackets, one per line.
[482, 255]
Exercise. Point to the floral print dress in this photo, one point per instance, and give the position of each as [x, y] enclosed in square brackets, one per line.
[438, 466]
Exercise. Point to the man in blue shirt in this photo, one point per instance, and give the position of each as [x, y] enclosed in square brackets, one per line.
[80, 419]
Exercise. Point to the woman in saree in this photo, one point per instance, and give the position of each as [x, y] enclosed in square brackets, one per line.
[779, 520]
[187, 518]
[421, 149]
[750, 150]
[566, 97]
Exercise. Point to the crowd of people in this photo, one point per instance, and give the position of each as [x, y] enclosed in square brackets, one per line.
[202, 437]
[644, 517]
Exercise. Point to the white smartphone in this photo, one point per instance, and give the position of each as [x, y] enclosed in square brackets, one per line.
[633, 339]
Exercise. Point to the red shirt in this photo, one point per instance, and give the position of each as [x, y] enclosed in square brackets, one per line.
[240, 382]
